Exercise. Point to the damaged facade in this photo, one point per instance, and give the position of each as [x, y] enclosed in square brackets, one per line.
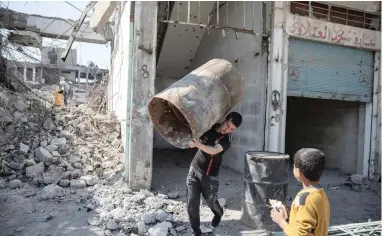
[312, 76]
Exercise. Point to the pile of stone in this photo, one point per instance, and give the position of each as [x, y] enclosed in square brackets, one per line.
[69, 146]
[142, 213]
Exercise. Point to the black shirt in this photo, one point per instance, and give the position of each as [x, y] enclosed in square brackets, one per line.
[202, 160]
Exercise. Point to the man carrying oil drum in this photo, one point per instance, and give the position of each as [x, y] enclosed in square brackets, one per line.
[202, 177]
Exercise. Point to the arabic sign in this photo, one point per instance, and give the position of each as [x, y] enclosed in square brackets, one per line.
[308, 28]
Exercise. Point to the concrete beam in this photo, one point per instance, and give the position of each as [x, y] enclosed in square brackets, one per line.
[102, 12]
[51, 27]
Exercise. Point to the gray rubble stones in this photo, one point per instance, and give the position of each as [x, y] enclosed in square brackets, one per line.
[148, 218]
[358, 179]
[52, 176]
[141, 226]
[112, 225]
[51, 147]
[18, 116]
[43, 143]
[160, 229]
[44, 156]
[161, 215]
[52, 191]
[49, 124]
[24, 149]
[74, 159]
[29, 162]
[77, 183]
[58, 141]
[64, 183]
[63, 149]
[64, 133]
[35, 170]
[20, 105]
[16, 183]
[55, 154]
[90, 180]
[173, 195]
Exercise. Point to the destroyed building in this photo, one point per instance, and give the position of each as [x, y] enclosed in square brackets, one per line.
[311, 74]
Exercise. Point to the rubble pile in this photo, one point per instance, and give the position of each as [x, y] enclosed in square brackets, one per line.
[58, 151]
[68, 146]
[134, 213]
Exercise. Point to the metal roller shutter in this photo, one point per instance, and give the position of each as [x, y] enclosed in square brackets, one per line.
[327, 71]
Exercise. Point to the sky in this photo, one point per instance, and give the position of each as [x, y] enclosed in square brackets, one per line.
[98, 53]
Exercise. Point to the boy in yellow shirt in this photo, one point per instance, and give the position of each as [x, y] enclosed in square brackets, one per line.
[310, 210]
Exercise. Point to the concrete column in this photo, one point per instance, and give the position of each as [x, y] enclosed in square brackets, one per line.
[34, 74]
[25, 74]
[375, 142]
[143, 78]
[277, 82]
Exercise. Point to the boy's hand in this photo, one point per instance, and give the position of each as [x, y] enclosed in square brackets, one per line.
[279, 214]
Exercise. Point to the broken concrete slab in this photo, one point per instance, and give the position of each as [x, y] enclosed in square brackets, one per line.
[90, 179]
[58, 141]
[34, 170]
[16, 183]
[44, 156]
[52, 191]
[160, 229]
[24, 149]
[77, 183]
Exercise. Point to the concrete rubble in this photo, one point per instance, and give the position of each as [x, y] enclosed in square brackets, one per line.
[52, 153]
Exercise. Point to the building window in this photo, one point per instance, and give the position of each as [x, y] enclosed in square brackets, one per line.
[66, 71]
[336, 14]
[83, 75]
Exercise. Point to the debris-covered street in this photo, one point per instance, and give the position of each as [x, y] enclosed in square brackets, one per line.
[62, 175]
[105, 104]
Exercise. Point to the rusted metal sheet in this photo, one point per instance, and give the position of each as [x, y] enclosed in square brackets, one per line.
[189, 107]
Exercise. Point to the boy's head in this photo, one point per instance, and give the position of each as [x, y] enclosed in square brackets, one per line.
[309, 164]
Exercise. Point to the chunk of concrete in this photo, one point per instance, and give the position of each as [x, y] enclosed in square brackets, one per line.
[77, 183]
[58, 141]
[44, 156]
[49, 124]
[52, 191]
[16, 183]
[24, 149]
[358, 179]
[160, 229]
[90, 180]
[35, 170]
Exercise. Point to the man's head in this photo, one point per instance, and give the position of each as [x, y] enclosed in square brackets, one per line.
[309, 164]
[232, 121]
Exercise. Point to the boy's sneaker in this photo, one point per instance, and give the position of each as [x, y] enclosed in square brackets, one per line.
[216, 221]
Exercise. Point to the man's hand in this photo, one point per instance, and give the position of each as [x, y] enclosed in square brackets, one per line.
[194, 143]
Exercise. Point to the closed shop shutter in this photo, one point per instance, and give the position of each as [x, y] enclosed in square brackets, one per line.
[327, 71]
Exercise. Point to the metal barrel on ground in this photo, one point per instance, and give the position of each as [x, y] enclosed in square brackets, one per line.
[265, 177]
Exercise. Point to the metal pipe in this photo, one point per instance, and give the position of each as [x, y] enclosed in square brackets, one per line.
[214, 27]
[188, 12]
[217, 12]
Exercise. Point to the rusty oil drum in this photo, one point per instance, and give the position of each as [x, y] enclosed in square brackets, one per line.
[192, 105]
[265, 177]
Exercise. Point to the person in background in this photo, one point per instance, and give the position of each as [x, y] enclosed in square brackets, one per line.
[310, 210]
[202, 177]
[67, 91]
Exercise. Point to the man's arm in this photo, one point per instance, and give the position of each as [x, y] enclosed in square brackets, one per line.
[208, 149]
[223, 145]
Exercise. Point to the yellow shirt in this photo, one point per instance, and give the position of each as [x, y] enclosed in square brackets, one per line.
[309, 214]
